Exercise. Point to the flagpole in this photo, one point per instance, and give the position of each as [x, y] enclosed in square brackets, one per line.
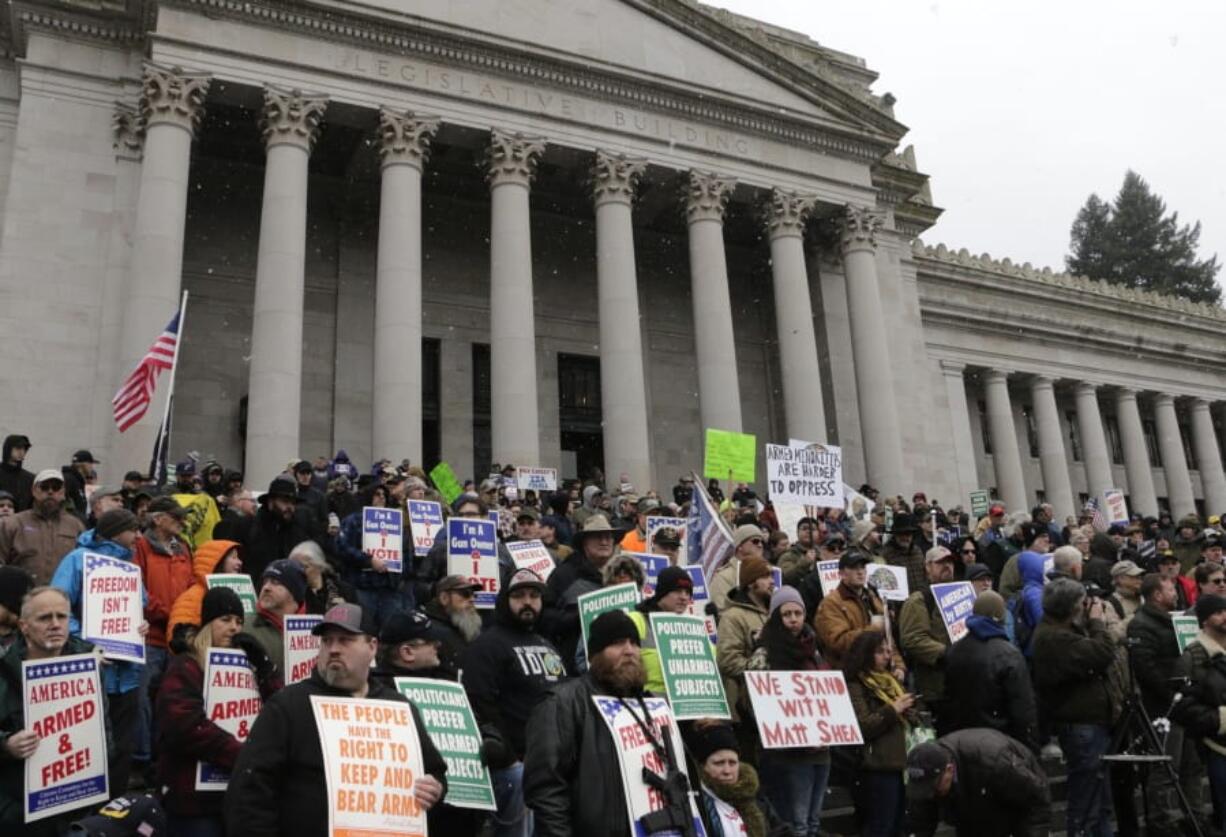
[170, 388]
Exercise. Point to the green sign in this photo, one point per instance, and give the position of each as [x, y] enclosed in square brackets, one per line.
[980, 500]
[730, 455]
[445, 481]
[238, 582]
[1186, 630]
[449, 719]
[618, 597]
[687, 659]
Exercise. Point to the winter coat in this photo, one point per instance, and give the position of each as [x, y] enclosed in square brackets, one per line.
[15, 479]
[722, 583]
[911, 558]
[453, 642]
[997, 555]
[648, 653]
[1155, 658]
[572, 777]
[1072, 672]
[266, 538]
[795, 563]
[743, 795]
[1187, 551]
[1030, 568]
[560, 616]
[1000, 788]
[269, 630]
[342, 467]
[1103, 555]
[1203, 708]
[925, 641]
[278, 785]
[841, 617]
[356, 563]
[332, 591]
[507, 672]
[186, 607]
[885, 744]
[35, 543]
[432, 568]
[118, 677]
[167, 572]
[738, 632]
[987, 684]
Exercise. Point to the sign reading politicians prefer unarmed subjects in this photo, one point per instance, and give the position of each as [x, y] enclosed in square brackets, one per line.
[232, 702]
[617, 597]
[62, 702]
[472, 552]
[687, 661]
[802, 709]
[240, 583]
[448, 718]
[112, 607]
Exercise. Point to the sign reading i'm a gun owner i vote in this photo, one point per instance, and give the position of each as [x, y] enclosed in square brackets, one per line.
[383, 536]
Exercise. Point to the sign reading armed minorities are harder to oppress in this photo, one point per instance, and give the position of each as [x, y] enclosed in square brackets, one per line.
[449, 719]
[62, 702]
[687, 660]
[802, 709]
[807, 474]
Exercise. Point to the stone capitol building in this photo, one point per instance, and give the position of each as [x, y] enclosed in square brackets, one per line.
[567, 234]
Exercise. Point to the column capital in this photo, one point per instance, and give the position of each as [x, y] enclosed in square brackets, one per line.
[953, 367]
[1164, 399]
[706, 195]
[993, 374]
[1198, 403]
[787, 212]
[404, 137]
[291, 117]
[858, 229]
[615, 177]
[1123, 392]
[512, 157]
[128, 131]
[1042, 382]
[1086, 387]
[170, 95]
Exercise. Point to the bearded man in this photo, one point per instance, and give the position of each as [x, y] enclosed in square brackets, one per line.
[453, 610]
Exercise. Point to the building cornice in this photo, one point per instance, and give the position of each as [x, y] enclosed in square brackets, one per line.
[119, 23]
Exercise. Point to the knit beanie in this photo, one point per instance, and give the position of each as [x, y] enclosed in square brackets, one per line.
[752, 569]
[783, 595]
[14, 584]
[705, 741]
[990, 604]
[115, 522]
[219, 602]
[609, 628]
[289, 575]
[1207, 605]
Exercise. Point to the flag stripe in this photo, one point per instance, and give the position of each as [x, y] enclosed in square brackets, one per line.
[135, 395]
[709, 541]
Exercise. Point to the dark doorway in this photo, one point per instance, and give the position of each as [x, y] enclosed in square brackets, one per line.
[430, 396]
[580, 416]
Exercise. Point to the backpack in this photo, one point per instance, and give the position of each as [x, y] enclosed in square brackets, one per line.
[1023, 631]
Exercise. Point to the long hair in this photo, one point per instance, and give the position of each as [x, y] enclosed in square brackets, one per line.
[859, 659]
[201, 643]
[781, 645]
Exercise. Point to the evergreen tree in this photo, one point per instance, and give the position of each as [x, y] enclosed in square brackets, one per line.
[1133, 242]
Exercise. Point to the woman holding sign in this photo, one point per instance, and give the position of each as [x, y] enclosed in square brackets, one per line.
[728, 798]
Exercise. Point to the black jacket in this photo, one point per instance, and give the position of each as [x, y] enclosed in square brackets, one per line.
[1200, 710]
[1155, 659]
[453, 645]
[507, 672]
[572, 778]
[15, 479]
[278, 785]
[999, 789]
[266, 538]
[987, 684]
[1072, 672]
[560, 617]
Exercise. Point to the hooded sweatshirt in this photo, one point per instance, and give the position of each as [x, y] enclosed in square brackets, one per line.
[342, 467]
[1030, 566]
[590, 495]
[186, 608]
[15, 479]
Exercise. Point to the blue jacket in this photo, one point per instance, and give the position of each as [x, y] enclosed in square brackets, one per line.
[356, 563]
[118, 676]
[1030, 567]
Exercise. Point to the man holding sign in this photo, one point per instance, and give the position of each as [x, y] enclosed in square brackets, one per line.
[279, 784]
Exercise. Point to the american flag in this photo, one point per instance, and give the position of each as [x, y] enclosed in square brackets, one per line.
[1098, 518]
[132, 401]
[709, 541]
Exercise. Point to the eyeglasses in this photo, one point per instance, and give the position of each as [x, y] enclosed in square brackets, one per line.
[756, 541]
[835, 547]
[970, 551]
[1217, 580]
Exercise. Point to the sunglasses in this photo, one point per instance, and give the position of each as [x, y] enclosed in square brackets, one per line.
[835, 547]
[1218, 580]
[757, 541]
[463, 593]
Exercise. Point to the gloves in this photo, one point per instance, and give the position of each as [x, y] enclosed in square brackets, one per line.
[256, 655]
[181, 639]
[495, 752]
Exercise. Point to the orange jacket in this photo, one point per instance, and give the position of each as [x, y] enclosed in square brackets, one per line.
[165, 577]
[634, 542]
[186, 608]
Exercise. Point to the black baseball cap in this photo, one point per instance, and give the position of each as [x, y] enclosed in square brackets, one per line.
[925, 764]
[403, 627]
[853, 558]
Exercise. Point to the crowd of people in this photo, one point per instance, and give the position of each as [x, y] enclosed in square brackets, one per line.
[1066, 618]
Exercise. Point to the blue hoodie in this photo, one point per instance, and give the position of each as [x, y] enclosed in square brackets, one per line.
[1030, 567]
[119, 677]
[984, 627]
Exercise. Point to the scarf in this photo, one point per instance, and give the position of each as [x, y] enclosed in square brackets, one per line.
[743, 795]
[884, 686]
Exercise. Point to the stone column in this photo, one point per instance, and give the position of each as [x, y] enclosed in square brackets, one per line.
[1174, 463]
[1142, 497]
[290, 126]
[960, 418]
[869, 346]
[1052, 457]
[1005, 455]
[719, 392]
[511, 165]
[1208, 457]
[404, 142]
[802, 379]
[623, 387]
[1094, 453]
[172, 103]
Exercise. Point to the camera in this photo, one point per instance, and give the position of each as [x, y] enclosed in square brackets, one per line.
[1093, 591]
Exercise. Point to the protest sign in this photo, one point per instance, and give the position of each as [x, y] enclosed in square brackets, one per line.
[1115, 506]
[828, 573]
[472, 551]
[777, 577]
[1186, 630]
[687, 660]
[301, 647]
[232, 702]
[857, 506]
[372, 758]
[537, 479]
[531, 555]
[448, 718]
[383, 536]
[805, 474]
[112, 607]
[425, 521]
[679, 525]
[699, 600]
[981, 500]
[956, 600]
[890, 581]
[63, 707]
[445, 481]
[635, 753]
[653, 565]
[729, 455]
[618, 597]
[802, 709]
[240, 583]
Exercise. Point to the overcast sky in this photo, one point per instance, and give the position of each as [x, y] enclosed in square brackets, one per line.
[1019, 110]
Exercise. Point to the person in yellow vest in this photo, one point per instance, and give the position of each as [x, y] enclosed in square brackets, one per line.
[674, 591]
